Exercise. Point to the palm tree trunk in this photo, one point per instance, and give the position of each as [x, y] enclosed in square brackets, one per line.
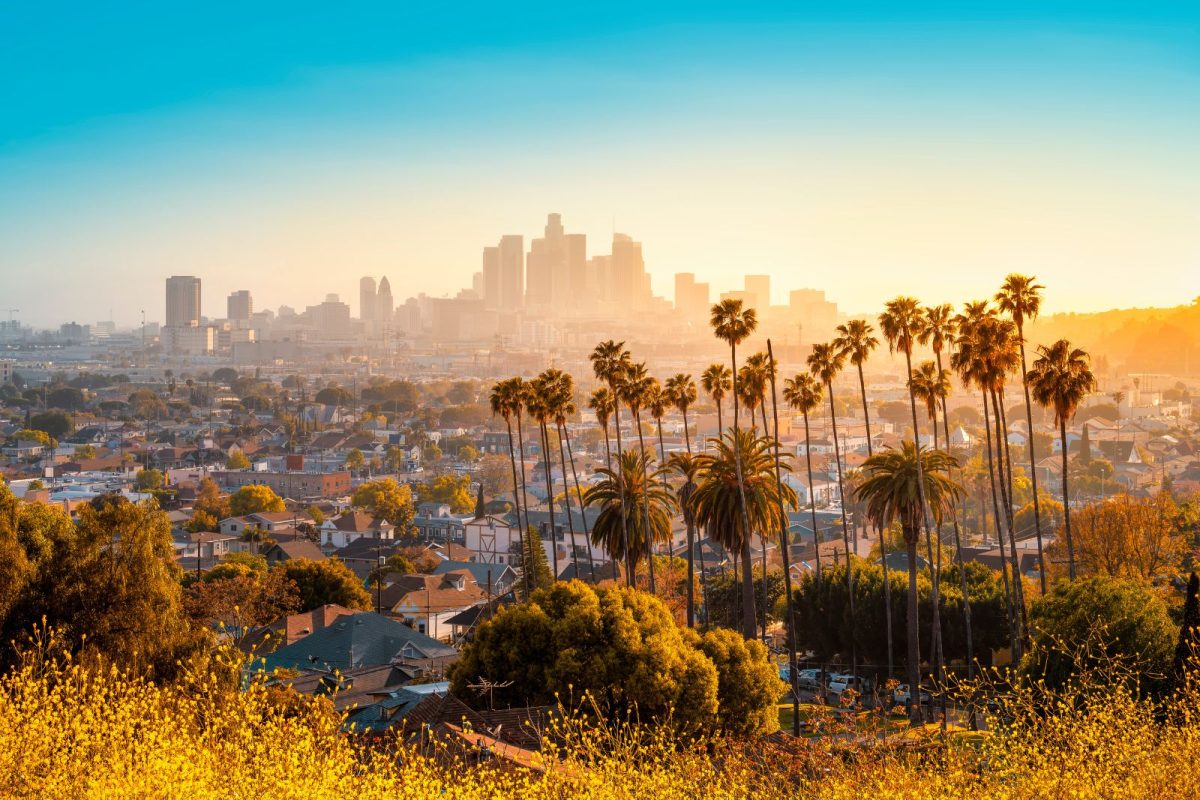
[1012, 608]
[524, 496]
[1062, 429]
[887, 589]
[763, 535]
[1018, 583]
[914, 637]
[629, 560]
[812, 499]
[637, 418]
[562, 459]
[784, 545]
[549, 493]
[962, 570]
[691, 534]
[1005, 477]
[1037, 508]
[587, 534]
[937, 615]
[749, 625]
[837, 459]
[512, 458]
[720, 420]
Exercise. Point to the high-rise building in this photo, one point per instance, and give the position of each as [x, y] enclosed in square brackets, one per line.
[550, 266]
[691, 297]
[758, 292]
[183, 301]
[239, 306]
[385, 307]
[330, 319]
[491, 277]
[512, 272]
[368, 304]
[629, 280]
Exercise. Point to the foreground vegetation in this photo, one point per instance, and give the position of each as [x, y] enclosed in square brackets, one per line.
[67, 730]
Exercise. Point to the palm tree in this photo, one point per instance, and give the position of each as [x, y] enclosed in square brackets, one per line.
[733, 324]
[563, 407]
[540, 404]
[740, 470]
[785, 543]
[519, 396]
[716, 380]
[901, 323]
[621, 528]
[902, 485]
[1021, 298]
[681, 391]
[752, 388]
[685, 466]
[981, 336]
[931, 385]
[803, 394]
[505, 401]
[1060, 378]
[601, 404]
[938, 332]
[825, 362]
[636, 389]
[610, 360]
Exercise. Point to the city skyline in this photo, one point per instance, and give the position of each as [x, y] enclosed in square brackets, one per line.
[862, 154]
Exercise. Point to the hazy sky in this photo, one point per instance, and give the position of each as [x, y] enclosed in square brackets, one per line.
[290, 148]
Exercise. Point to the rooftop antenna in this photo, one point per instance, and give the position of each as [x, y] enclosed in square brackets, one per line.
[483, 685]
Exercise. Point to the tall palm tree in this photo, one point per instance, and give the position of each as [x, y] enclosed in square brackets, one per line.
[901, 323]
[520, 394]
[1020, 297]
[681, 391]
[938, 332]
[636, 389]
[723, 486]
[505, 401]
[1060, 378]
[563, 407]
[601, 404]
[905, 485]
[754, 376]
[621, 494]
[981, 337]
[540, 404]
[856, 340]
[733, 324]
[931, 385]
[825, 362]
[717, 382]
[802, 393]
[685, 465]
[785, 544]
[610, 360]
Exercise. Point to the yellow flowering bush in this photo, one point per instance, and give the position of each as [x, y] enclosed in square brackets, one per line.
[70, 730]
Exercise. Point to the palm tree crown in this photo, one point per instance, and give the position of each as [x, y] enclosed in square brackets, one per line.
[826, 362]
[731, 322]
[890, 487]
[1060, 378]
[716, 381]
[632, 494]
[681, 390]
[600, 402]
[1020, 297]
[854, 339]
[803, 393]
[931, 385]
[901, 323]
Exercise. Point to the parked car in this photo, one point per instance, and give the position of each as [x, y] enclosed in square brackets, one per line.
[900, 695]
[841, 681]
[808, 678]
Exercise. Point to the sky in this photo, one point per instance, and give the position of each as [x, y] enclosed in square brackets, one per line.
[867, 149]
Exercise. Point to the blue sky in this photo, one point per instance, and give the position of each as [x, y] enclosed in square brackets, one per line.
[289, 148]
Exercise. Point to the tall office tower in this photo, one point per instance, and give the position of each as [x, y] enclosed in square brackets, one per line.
[239, 306]
[491, 277]
[385, 307]
[477, 285]
[629, 280]
[512, 272]
[758, 292]
[183, 301]
[691, 298]
[545, 265]
[572, 290]
[368, 303]
[599, 278]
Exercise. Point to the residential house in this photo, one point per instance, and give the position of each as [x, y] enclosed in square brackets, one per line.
[292, 551]
[362, 640]
[427, 602]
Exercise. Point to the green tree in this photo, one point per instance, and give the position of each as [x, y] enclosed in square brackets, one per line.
[31, 435]
[622, 497]
[147, 480]
[724, 605]
[453, 490]
[535, 569]
[67, 398]
[85, 451]
[237, 460]
[388, 499]
[318, 516]
[323, 582]
[1101, 621]
[355, 460]
[748, 685]
[623, 648]
[210, 500]
[56, 423]
[254, 499]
